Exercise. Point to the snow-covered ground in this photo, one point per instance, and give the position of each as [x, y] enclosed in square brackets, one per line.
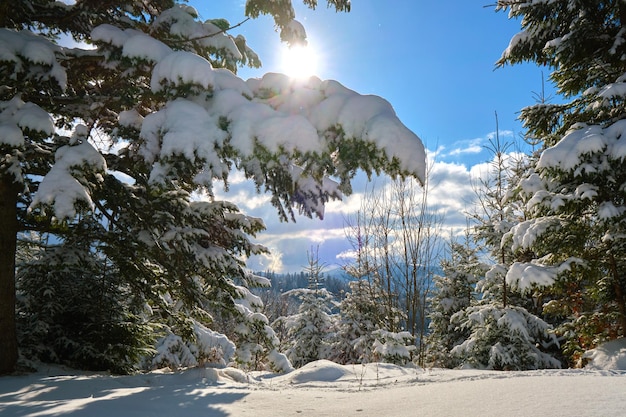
[323, 388]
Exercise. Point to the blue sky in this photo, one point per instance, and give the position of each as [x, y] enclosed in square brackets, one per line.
[434, 64]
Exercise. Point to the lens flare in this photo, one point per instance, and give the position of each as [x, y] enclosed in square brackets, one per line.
[299, 61]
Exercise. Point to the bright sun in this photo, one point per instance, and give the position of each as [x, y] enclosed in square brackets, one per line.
[299, 61]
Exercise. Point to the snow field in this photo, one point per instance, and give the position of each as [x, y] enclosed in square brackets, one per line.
[320, 388]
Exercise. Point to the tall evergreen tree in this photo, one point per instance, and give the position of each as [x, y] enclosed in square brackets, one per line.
[315, 270]
[157, 115]
[504, 330]
[574, 238]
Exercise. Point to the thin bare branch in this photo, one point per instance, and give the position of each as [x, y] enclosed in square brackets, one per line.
[175, 41]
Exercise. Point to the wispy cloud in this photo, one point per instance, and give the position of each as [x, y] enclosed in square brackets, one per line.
[503, 134]
[474, 146]
[471, 146]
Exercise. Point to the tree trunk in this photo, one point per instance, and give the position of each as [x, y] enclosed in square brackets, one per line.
[8, 242]
[621, 305]
[619, 295]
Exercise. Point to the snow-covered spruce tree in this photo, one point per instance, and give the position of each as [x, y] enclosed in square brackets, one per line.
[72, 311]
[502, 332]
[162, 116]
[575, 192]
[507, 338]
[361, 313]
[310, 330]
[496, 213]
[454, 292]
[315, 269]
[393, 347]
[204, 346]
[187, 342]
[257, 342]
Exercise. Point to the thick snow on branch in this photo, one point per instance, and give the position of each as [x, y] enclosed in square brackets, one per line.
[180, 21]
[24, 48]
[145, 47]
[113, 35]
[582, 140]
[181, 128]
[17, 119]
[62, 188]
[587, 152]
[272, 123]
[15, 116]
[181, 67]
[329, 105]
[276, 111]
[524, 234]
[527, 275]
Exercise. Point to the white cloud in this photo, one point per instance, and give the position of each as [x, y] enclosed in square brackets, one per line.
[475, 146]
[503, 134]
[452, 194]
[345, 206]
[472, 146]
[481, 171]
[244, 195]
[486, 169]
[237, 177]
[347, 256]
[272, 261]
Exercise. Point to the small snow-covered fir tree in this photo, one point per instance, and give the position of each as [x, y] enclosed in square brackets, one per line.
[310, 330]
[257, 343]
[454, 292]
[203, 347]
[501, 337]
[393, 347]
[507, 338]
[361, 314]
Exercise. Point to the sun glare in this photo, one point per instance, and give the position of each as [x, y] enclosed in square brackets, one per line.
[299, 61]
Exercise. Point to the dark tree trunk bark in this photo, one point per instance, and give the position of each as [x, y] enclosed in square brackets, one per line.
[621, 305]
[619, 294]
[8, 242]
